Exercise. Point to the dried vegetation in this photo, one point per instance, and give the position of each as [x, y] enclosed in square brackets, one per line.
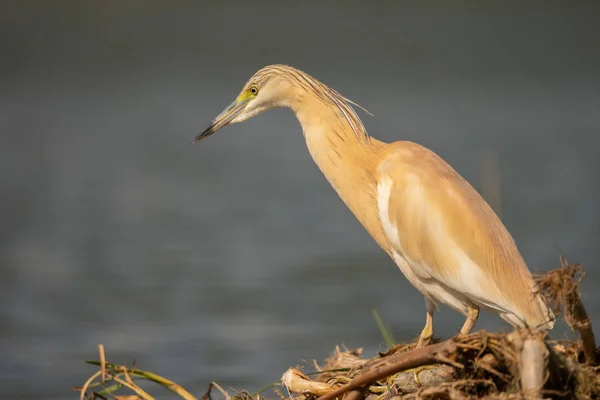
[523, 364]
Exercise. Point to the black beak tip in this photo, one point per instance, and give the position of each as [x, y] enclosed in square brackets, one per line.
[198, 139]
[206, 133]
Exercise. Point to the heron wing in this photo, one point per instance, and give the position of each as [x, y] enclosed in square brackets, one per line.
[447, 232]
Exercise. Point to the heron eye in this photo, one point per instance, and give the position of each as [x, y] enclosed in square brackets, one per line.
[253, 90]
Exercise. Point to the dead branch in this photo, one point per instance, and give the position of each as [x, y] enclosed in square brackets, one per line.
[354, 395]
[396, 363]
[533, 362]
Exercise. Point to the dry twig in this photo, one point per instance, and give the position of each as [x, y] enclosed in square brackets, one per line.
[561, 287]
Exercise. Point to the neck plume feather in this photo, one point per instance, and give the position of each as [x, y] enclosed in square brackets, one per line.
[330, 97]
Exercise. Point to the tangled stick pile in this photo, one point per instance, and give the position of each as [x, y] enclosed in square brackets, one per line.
[521, 364]
[481, 365]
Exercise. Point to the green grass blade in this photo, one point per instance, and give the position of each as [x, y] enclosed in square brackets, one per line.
[385, 331]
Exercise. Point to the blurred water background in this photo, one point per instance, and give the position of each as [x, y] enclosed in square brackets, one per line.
[234, 259]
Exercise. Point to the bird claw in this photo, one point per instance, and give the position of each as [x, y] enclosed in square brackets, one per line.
[415, 372]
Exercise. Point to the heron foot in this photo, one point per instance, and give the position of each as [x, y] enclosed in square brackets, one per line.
[415, 372]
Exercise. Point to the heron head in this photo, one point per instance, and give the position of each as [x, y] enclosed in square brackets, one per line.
[266, 89]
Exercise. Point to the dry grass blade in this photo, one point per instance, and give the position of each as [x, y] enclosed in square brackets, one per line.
[88, 383]
[220, 389]
[131, 385]
[102, 362]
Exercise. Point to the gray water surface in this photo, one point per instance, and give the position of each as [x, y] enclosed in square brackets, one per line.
[234, 259]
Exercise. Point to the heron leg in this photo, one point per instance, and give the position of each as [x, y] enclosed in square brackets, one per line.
[472, 315]
[425, 337]
[427, 332]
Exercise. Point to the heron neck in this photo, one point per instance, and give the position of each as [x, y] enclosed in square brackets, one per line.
[333, 144]
[348, 164]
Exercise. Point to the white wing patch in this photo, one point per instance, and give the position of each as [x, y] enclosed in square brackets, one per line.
[467, 285]
[384, 190]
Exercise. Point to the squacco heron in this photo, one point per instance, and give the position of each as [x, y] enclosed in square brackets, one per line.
[441, 233]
